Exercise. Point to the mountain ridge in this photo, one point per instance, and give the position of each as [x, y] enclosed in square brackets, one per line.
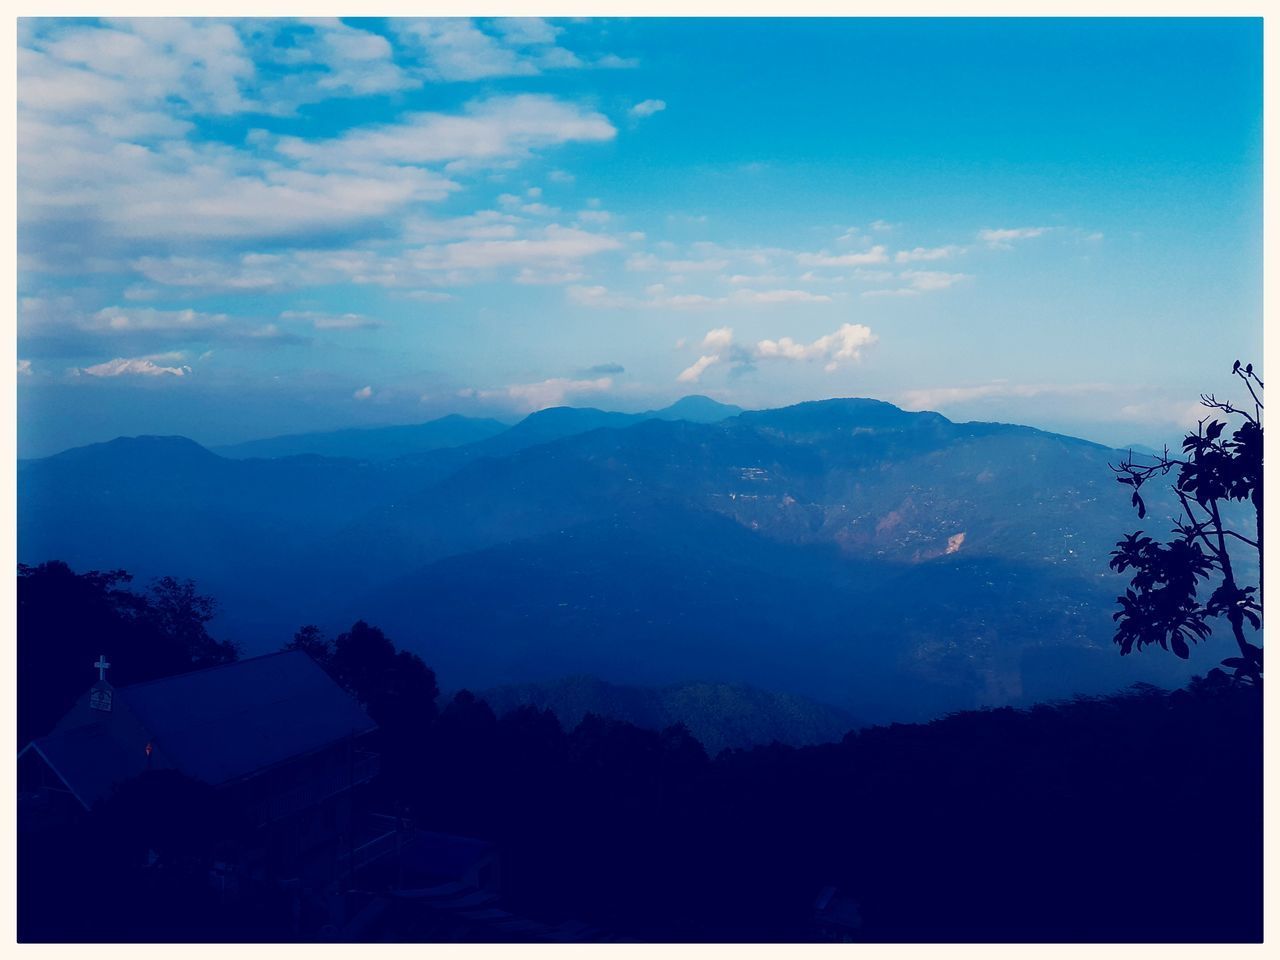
[765, 548]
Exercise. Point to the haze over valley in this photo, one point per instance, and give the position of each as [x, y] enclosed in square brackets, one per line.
[895, 565]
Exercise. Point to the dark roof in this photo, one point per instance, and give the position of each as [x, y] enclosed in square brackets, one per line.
[89, 760]
[227, 722]
[218, 725]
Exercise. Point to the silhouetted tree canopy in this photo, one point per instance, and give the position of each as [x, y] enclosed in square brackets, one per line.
[1132, 817]
[1165, 602]
[66, 619]
[396, 687]
[312, 641]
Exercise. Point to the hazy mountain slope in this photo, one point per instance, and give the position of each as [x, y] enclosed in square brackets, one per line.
[371, 443]
[848, 550]
[668, 597]
[719, 715]
[455, 430]
[555, 423]
[166, 506]
[836, 472]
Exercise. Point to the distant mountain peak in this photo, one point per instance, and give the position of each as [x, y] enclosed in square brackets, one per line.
[146, 446]
[697, 408]
[844, 412]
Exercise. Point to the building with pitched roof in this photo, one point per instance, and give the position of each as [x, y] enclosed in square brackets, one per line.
[283, 742]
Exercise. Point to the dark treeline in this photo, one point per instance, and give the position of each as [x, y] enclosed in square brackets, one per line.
[1133, 817]
[66, 620]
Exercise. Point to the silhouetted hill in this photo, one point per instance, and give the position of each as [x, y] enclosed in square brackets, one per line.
[718, 715]
[372, 443]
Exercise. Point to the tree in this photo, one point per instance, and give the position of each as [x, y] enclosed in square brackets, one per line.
[181, 613]
[67, 619]
[396, 687]
[1217, 474]
[311, 640]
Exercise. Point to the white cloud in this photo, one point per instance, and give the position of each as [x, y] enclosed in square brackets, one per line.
[928, 253]
[694, 266]
[482, 225]
[921, 281]
[65, 327]
[485, 242]
[931, 398]
[526, 31]
[845, 344]
[128, 319]
[932, 279]
[657, 296]
[427, 296]
[364, 393]
[72, 173]
[596, 296]
[552, 245]
[181, 191]
[780, 296]
[692, 373]
[611, 61]
[647, 108]
[454, 49]
[718, 339]
[548, 393]
[329, 321]
[335, 60]
[896, 292]
[643, 261]
[740, 278]
[201, 63]
[24, 368]
[130, 367]
[531, 277]
[496, 128]
[248, 272]
[876, 254]
[1002, 239]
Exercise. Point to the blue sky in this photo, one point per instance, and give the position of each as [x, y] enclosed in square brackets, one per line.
[230, 229]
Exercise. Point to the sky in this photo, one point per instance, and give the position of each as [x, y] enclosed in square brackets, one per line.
[242, 228]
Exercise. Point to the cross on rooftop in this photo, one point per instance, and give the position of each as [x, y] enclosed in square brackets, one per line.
[102, 666]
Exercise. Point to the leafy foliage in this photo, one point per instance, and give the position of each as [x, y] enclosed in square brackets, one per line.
[1163, 604]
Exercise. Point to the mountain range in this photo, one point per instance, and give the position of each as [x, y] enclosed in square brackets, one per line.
[893, 564]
